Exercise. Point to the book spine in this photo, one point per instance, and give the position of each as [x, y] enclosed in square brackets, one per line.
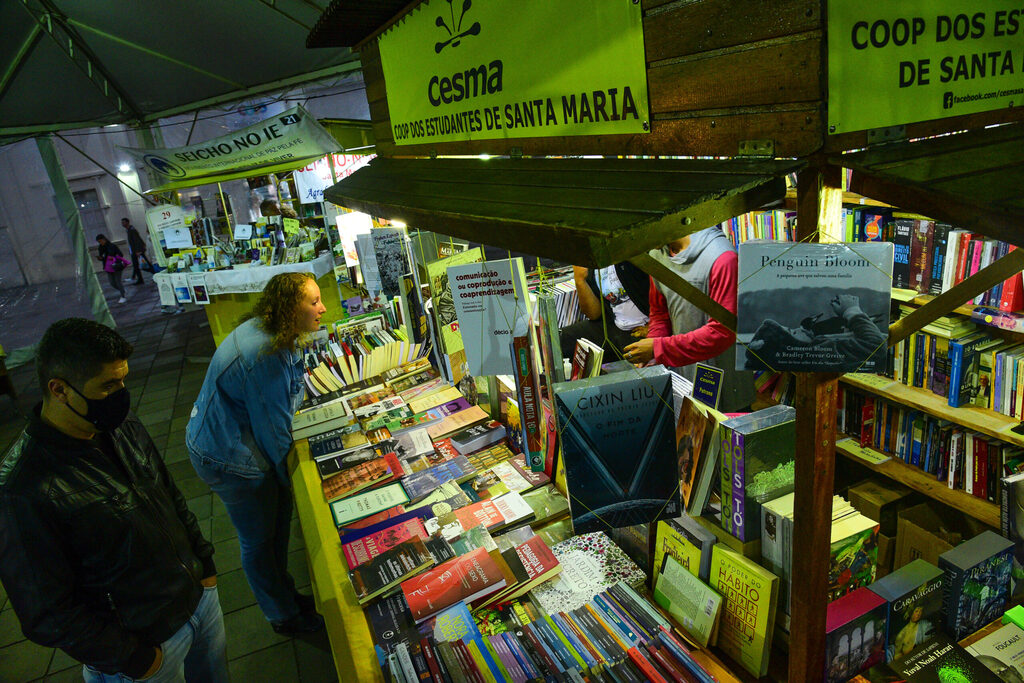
[739, 488]
[726, 478]
[529, 402]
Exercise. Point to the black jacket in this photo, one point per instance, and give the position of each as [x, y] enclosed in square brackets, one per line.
[108, 249]
[135, 241]
[635, 281]
[100, 557]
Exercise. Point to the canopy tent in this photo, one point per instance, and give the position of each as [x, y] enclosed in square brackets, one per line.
[135, 67]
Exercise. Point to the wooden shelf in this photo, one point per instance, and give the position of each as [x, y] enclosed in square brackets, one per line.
[919, 480]
[979, 419]
[848, 198]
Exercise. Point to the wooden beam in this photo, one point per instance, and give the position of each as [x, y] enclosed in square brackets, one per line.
[815, 471]
[982, 281]
[812, 520]
[677, 284]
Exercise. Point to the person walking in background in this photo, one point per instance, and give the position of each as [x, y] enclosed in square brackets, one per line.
[114, 264]
[137, 249]
[99, 552]
[240, 431]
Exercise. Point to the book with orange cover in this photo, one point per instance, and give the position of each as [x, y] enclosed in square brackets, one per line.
[355, 479]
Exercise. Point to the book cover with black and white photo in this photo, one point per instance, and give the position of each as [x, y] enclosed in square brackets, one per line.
[809, 307]
[392, 262]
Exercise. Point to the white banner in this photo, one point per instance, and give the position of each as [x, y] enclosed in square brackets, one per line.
[313, 179]
[291, 136]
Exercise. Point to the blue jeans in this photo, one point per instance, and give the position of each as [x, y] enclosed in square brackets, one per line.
[195, 653]
[260, 509]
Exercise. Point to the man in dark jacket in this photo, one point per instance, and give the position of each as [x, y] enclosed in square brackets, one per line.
[99, 554]
[137, 248]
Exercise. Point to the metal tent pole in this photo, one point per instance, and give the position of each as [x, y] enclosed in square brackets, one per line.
[73, 223]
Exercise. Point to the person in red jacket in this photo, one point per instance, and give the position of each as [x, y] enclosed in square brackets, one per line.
[680, 334]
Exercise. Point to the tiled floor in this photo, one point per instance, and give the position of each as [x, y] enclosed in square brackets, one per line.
[165, 372]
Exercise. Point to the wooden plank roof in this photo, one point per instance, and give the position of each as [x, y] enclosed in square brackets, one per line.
[590, 212]
[973, 180]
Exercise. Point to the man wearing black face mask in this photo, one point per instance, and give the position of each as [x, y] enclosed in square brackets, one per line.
[99, 554]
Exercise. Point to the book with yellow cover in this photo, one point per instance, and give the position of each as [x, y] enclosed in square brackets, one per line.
[434, 399]
[686, 541]
[749, 598]
[441, 295]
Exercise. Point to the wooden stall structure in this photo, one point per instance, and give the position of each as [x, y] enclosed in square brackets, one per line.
[747, 81]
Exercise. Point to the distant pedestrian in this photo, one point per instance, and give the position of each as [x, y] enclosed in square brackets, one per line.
[137, 249]
[114, 263]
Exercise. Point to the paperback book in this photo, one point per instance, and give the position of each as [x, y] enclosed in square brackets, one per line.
[687, 542]
[978, 587]
[464, 578]
[854, 634]
[591, 563]
[749, 594]
[836, 315]
[368, 503]
[689, 600]
[493, 301]
[384, 572]
[601, 419]
[361, 550]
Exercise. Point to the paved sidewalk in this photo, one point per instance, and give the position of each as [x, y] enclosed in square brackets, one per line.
[165, 372]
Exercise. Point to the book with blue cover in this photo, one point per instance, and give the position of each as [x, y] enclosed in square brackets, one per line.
[978, 585]
[618, 444]
[420, 484]
[455, 623]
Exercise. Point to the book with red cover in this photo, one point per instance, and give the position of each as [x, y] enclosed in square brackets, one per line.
[354, 479]
[466, 578]
[445, 449]
[1012, 296]
[365, 549]
[961, 256]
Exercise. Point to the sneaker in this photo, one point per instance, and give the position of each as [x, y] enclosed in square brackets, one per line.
[122, 300]
[300, 623]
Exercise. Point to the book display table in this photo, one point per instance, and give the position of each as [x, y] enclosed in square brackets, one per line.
[347, 630]
[234, 292]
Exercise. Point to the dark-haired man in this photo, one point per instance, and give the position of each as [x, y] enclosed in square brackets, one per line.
[137, 249]
[99, 554]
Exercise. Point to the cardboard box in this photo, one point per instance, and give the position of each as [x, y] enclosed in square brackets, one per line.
[880, 500]
[927, 530]
[886, 553]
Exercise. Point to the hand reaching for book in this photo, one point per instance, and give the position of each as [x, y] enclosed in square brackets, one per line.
[640, 352]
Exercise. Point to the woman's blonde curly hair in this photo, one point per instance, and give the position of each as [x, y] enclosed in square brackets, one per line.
[277, 309]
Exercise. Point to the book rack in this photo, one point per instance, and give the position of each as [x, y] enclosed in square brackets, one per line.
[917, 479]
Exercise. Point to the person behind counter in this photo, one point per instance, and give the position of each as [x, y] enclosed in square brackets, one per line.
[680, 334]
[617, 293]
[239, 435]
[99, 552]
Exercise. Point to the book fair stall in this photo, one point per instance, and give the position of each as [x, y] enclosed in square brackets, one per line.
[482, 504]
[223, 262]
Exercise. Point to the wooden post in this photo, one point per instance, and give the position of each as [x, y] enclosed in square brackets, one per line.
[815, 470]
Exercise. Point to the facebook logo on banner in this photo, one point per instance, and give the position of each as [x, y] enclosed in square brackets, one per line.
[947, 100]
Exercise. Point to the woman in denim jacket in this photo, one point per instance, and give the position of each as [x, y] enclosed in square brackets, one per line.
[239, 435]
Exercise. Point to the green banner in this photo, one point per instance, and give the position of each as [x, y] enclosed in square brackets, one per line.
[490, 69]
[892, 63]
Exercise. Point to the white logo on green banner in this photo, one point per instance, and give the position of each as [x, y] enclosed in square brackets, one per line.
[916, 60]
[485, 69]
